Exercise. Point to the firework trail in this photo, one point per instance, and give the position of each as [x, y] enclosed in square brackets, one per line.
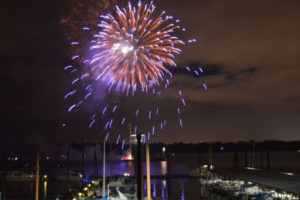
[128, 51]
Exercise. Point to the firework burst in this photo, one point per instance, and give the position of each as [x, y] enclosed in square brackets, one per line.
[129, 52]
[132, 48]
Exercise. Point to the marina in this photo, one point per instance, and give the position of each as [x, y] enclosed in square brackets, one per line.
[281, 181]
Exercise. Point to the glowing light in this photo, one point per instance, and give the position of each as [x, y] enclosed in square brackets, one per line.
[128, 157]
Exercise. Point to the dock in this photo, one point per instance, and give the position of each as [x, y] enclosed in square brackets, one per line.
[288, 182]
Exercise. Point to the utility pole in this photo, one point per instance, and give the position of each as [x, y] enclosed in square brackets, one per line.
[82, 163]
[103, 186]
[68, 167]
[261, 156]
[3, 178]
[253, 155]
[169, 174]
[139, 174]
[95, 162]
[110, 159]
[148, 172]
[37, 175]
[210, 156]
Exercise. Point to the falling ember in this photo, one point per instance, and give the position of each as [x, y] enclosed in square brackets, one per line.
[110, 122]
[183, 101]
[135, 129]
[123, 143]
[71, 107]
[104, 110]
[118, 139]
[180, 93]
[107, 135]
[131, 49]
[67, 67]
[180, 122]
[91, 124]
[178, 111]
[123, 120]
[114, 109]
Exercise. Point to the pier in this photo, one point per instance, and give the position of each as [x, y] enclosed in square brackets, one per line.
[288, 182]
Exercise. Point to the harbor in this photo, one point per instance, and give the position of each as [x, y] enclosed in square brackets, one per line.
[171, 178]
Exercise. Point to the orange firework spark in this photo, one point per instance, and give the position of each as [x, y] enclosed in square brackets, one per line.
[132, 48]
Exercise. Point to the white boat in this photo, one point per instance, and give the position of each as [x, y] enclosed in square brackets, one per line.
[199, 171]
[19, 176]
[73, 176]
[118, 182]
[115, 194]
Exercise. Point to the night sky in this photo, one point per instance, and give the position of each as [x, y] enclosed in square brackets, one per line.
[250, 51]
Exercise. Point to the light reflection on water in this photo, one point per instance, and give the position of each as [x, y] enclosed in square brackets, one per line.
[45, 189]
[159, 187]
